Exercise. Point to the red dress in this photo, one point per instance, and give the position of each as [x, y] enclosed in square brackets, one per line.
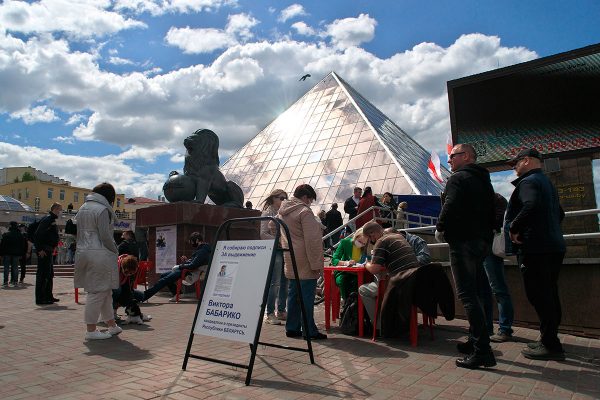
[365, 203]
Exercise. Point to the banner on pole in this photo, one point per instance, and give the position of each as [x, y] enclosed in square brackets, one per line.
[166, 248]
[233, 295]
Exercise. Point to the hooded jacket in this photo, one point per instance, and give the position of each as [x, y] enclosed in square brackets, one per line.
[96, 256]
[307, 242]
[467, 205]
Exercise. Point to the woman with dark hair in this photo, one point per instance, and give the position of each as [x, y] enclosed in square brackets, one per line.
[96, 260]
[366, 201]
[305, 232]
[278, 289]
[389, 209]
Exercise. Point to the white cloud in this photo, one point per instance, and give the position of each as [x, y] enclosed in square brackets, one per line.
[35, 115]
[75, 118]
[177, 158]
[64, 16]
[120, 61]
[303, 29]
[207, 40]
[86, 171]
[64, 139]
[160, 7]
[295, 10]
[352, 31]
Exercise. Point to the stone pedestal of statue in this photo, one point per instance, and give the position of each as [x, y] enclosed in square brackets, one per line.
[188, 217]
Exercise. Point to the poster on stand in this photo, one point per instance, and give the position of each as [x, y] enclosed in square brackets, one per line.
[166, 248]
[234, 290]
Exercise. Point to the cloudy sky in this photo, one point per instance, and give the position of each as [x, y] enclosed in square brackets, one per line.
[100, 90]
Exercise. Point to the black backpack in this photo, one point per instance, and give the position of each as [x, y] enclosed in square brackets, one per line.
[31, 230]
[70, 227]
[349, 317]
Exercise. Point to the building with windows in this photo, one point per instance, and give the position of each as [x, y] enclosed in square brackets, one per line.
[333, 139]
[39, 190]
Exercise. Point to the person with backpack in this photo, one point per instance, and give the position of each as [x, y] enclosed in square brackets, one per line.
[45, 240]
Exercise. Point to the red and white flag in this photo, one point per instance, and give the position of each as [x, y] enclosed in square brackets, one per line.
[449, 145]
[434, 167]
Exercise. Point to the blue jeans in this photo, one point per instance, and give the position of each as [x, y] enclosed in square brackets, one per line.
[166, 279]
[11, 263]
[466, 261]
[494, 269]
[294, 316]
[278, 289]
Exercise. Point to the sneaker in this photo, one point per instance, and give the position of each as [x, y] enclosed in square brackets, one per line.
[534, 345]
[97, 335]
[147, 318]
[281, 315]
[173, 299]
[543, 353]
[114, 330]
[5, 285]
[501, 337]
[272, 320]
[475, 361]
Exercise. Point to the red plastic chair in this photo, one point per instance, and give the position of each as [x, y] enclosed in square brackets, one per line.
[142, 275]
[179, 282]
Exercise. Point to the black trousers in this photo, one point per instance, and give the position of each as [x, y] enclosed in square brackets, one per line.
[540, 276]
[466, 262]
[23, 261]
[43, 279]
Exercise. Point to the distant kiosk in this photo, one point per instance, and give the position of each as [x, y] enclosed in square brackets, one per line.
[551, 104]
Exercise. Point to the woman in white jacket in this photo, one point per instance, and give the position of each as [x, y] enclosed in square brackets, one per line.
[96, 260]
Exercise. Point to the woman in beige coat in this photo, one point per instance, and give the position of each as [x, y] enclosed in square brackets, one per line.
[307, 242]
[96, 260]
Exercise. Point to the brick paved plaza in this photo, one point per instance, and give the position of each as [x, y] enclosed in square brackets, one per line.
[43, 355]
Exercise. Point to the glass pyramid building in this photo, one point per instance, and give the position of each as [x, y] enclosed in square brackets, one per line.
[333, 139]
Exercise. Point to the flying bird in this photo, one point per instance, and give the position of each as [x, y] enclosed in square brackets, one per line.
[304, 77]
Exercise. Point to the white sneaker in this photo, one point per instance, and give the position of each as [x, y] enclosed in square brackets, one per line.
[272, 320]
[147, 318]
[281, 315]
[173, 299]
[97, 335]
[114, 330]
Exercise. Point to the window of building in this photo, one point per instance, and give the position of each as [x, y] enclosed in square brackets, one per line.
[76, 197]
[62, 194]
[50, 192]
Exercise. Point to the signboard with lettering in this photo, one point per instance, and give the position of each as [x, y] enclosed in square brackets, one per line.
[233, 294]
[550, 104]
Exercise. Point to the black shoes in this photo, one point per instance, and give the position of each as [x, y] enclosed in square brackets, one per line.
[43, 303]
[293, 334]
[319, 336]
[55, 300]
[541, 352]
[475, 361]
[466, 347]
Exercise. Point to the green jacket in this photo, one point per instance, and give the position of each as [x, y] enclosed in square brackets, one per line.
[343, 252]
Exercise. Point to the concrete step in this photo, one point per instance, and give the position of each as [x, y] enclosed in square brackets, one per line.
[60, 271]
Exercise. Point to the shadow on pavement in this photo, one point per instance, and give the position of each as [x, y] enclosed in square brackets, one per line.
[54, 307]
[116, 349]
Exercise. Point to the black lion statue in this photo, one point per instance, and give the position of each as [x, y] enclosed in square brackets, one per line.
[201, 175]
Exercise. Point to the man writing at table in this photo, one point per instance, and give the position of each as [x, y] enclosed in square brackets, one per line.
[392, 255]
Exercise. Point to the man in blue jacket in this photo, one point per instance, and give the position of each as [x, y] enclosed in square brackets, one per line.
[199, 259]
[534, 214]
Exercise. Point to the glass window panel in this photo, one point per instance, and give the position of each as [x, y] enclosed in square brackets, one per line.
[303, 158]
[261, 157]
[320, 125]
[363, 174]
[330, 123]
[349, 150]
[336, 131]
[328, 132]
[392, 171]
[360, 125]
[325, 181]
[338, 178]
[259, 191]
[354, 137]
[351, 177]
[335, 114]
[362, 148]
[365, 136]
[308, 170]
[402, 186]
[313, 180]
[298, 150]
[292, 161]
[291, 185]
[379, 158]
[376, 186]
[321, 193]
[326, 154]
[343, 164]
[377, 173]
[319, 169]
[309, 147]
[388, 185]
[341, 141]
[314, 156]
[286, 173]
[344, 191]
[347, 129]
[331, 195]
[337, 152]
[276, 174]
[243, 161]
[357, 161]
[266, 177]
[297, 171]
[288, 152]
[331, 166]
[374, 145]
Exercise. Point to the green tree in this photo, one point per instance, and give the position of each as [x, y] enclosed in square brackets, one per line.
[27, 177]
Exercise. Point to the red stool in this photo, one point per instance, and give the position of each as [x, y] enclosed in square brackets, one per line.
[180, 280]
[332, 296]
[142, 274]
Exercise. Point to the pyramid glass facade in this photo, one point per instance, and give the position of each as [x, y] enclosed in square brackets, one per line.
[333, 139]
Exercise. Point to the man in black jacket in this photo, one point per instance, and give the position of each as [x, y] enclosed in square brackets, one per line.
[534, 215]
[466, 223]
[333, 220]
[45, 240]
[129, 245]
[351, 207]
[12, 248]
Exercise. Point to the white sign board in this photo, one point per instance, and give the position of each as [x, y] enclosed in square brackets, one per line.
[232, 299]
[166, 248]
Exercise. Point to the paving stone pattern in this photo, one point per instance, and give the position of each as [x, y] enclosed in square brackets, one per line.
[43, 356]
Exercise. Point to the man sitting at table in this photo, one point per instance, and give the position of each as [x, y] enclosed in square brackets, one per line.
[393, 259]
